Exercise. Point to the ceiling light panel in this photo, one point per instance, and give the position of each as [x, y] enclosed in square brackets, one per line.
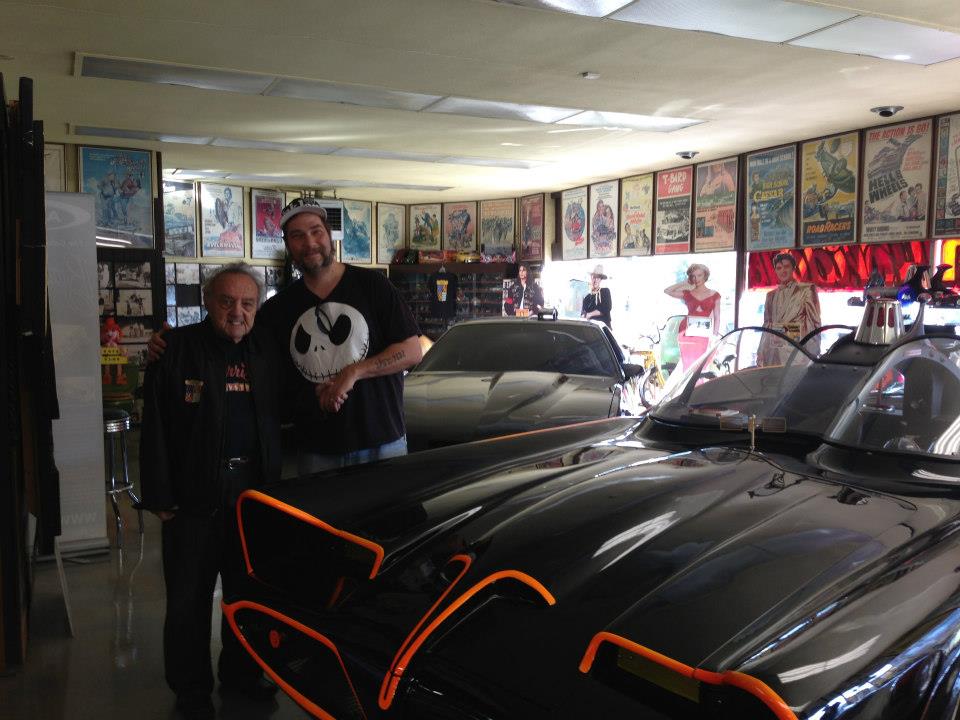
[590, 8]
[501, 110]
[277, 146]
[887, 39]
[350, 94]
[140, 135]
[770, 20]
[617, 121]
[387, 154]
[493, 162]
[164, 74]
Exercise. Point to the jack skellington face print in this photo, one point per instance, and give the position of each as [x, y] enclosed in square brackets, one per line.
[326, 338]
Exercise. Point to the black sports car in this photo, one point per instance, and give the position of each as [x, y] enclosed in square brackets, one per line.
[491, 377]
[769, 542]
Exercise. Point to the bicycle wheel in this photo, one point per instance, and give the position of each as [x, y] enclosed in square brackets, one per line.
[652, 388]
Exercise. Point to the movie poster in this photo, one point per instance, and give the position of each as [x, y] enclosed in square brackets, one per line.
[636, 215]
[122, 187]
[498, 228]
[674, 198]
[828, 183]
[896, 189]
[460, 227]
[267, 237]
[602, 229]
[531, 227]
[425, 227]
[573, 204]
[771, 199]
[715, 223]
[221, 218]
[357, 220]
[946, 218]
[179, 219]
[391, 231]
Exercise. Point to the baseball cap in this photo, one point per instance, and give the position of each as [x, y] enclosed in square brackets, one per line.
[302, 205]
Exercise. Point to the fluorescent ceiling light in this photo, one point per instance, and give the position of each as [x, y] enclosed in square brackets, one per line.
[770, 20]
[168, 74]
[278, 146]
[350, 94]
[617, 121]
[491, 162]
[887, 39]
[184, 174]
[501, 110]
[140, 135]
[590, 8]
[387, 154]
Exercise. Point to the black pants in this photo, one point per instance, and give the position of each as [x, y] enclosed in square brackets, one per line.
[195, 550]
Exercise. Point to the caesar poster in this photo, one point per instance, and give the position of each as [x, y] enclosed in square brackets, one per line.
[946, 219]
[771, 199]
[636, 212]
[828, 181]
[715, 223]
[674, 198]
[573, 204]
[122, 187]
[896, 162]
[179, 219]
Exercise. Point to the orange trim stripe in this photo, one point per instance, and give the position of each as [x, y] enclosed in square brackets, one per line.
[399, 666]
[748, 683]
[230, 609]
[299, 514]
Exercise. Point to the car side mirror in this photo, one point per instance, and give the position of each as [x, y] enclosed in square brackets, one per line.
[632, 370]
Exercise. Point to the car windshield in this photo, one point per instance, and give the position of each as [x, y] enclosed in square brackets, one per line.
[522, 345]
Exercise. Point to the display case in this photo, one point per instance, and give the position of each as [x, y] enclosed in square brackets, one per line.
[479, 291]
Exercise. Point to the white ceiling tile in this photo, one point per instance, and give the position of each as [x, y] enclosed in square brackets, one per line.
[350, 94]
[500, 110]
[168, 74]
[615, 120]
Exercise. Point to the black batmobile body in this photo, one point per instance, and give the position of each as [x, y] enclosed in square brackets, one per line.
[771, 542]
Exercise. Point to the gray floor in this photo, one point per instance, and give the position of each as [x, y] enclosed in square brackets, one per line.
[113, 667]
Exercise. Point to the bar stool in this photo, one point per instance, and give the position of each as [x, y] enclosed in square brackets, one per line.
[116, 422]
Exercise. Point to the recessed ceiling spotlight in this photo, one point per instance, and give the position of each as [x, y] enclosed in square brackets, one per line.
[901, 56]
[589, 75]
[688, 154]
[887, 110]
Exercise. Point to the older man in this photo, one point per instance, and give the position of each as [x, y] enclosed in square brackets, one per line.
[210, 431]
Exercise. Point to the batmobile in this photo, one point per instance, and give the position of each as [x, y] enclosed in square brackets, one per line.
[769, 542]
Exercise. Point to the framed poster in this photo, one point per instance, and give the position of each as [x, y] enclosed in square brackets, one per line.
[531, 227]
[715, 221]
[179, 219]
[54, 174]
[636, 212]
[121, 182]
[771, 207]
[221, 220]
[828, 181]
[460, 226]
[425, 227]
[946, 198]
[674, 207]
[267, 236]
[498, 227]
[573, 205]
[604, 206]
[357, 222]
[391, 231]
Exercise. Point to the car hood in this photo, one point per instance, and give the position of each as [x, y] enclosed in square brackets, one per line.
[443, 408]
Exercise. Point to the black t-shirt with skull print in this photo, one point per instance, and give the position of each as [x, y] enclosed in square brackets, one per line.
[360, 317]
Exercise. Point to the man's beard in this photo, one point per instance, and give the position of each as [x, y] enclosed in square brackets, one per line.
[326, 261]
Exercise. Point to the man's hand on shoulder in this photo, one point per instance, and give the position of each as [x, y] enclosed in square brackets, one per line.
[156, 345]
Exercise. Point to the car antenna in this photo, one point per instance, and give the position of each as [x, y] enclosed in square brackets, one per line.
[752, 429]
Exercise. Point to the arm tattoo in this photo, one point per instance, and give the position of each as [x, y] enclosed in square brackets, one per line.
[388, 361]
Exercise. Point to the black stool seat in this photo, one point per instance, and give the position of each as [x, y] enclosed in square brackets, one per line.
[116, 423]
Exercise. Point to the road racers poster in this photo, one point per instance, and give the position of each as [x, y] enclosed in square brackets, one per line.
[771, 207]
[674, 198]
[828, 183]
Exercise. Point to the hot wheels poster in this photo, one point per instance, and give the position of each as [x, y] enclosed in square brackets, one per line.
[716, 218]
[771, 199]
[946, 218]
[357, 221]
[267, 237]
[636, 215]
[122, 187]
[221, 213]
[828, 181]
[674, 198]
[896, 189]
[574, 206]
[603, 219]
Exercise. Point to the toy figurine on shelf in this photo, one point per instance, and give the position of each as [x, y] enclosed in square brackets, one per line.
[111, 354]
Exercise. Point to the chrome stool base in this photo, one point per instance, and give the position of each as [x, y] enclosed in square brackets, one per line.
[115, 425]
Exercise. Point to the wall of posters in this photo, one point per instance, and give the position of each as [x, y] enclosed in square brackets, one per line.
[636, 214]
[460, 226]
[828, 181]
[221, 220]
[573, 205]
[425, 226]
[674, 197]
[498, 227]
[715, 223]
[391, 231]
[896, 190]
[946, 218]
[121, 183]
[357, 221]
[602, 230]
[531, 227]
[179, 219]
[771, 199]
[267, 236]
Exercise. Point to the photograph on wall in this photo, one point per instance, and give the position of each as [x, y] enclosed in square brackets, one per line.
[771, 209]
[171, 315]
[130, 275]
[674, 200]
[179, 219]
[106, 302]
[460, 226]
[356, 247]
[273, 275]
[170, 272]
[121, 183]
[531, 227]
[171, 294]
[604, 207]
[828, 187]
[267, 237]
[498, 228]
[188, 315]
[221, 220]
[188, 273]
[946, 217]
[134, 330]
[715, 222]
[636, 215]
[135, 302]
[391, 231]
[104, 274]
[896, 189]
[207, 270]
[425, 226]
[573, 206]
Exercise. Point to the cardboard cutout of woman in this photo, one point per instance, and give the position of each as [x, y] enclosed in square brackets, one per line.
[702, 323]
